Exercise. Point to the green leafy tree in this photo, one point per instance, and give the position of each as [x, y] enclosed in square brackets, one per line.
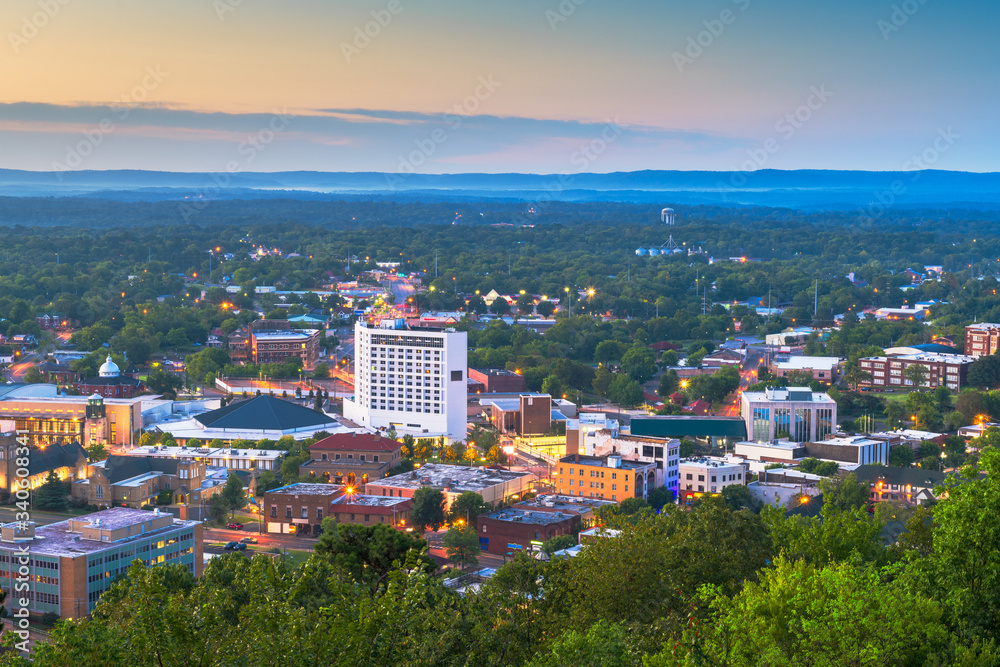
[737, 497]
[369, 553]
[843, 615]
[496, 455]
[428, 508]
[558, 543]
[462, 546]
[321, 371]
[916, 374]
[233, 494]
[625, 391]
[602, 381]
[33, 376]
[97, 452]
[601, 645]
[846, 493]
[218, 508]
[552, 385]
[834, 536]
[51, 496]
[467, 507]
[639, 362]
[985, 371]
[901, 456]
[669, 384]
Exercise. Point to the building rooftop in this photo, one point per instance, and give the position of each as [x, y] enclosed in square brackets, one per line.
[357, 441]
[802, 363]
[496, 372]
[362, 500]
[65, 539]
[605, 462]
[205, 452]
[303, 489]
[455, 478]
[277, 336]
[773, 444]
[679, 426]
[576, 504]
[929, 357]
[264, 413]
[514, 514]
[849, 441]
[790, 394]
[709, 462]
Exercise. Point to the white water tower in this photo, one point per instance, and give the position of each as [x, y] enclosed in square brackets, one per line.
[667, 216]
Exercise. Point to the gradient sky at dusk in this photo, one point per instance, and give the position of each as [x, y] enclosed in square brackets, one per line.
[200, 85]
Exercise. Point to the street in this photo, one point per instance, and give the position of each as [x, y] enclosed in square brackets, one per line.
[748, 376]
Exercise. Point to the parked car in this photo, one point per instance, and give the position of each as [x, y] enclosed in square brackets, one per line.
[230, 546]
[249, 540]
[235, 526]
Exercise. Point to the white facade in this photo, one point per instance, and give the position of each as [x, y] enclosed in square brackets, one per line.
[796, 413]
[665, 453]
[410, 380]
[779, 493]
[708, 474]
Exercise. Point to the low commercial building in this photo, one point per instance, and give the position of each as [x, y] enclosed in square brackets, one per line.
[947, 370]
[605, 477]
[823, 369]
[776, 451]
[493, 484]
[527, 414]
[223, 457]
[857, 449]
[514, 530]
[585, 508]
[717, 431]
[299, 508]
[366, 510]
[780, 494]
[497, 380]
[708, 475]
[71, 563]
[270, 347]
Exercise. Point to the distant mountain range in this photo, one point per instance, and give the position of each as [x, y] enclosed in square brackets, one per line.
[802, 189]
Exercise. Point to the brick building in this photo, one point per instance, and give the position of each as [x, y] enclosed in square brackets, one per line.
[527, 414]
[110, 383]
[949, 370]
[497, 380]
[299, 508]
[493, 484]
[513, 529]
[134, 481]
[367, 510]
[982, 339]
[351, 458]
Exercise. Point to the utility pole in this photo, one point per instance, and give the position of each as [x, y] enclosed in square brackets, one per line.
[816, 300]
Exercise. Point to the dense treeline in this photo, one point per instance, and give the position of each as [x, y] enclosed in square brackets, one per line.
[714, 585]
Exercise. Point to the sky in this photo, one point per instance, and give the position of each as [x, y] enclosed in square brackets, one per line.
[537, 86]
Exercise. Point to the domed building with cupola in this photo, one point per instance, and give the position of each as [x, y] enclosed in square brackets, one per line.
[111, 382]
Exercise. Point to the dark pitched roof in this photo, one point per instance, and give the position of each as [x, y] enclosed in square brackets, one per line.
[892, 475]
[263, 413]
[120, 468]
[357, 441]
[54, 456]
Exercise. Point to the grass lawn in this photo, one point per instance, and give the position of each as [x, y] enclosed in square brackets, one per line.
[296, 557]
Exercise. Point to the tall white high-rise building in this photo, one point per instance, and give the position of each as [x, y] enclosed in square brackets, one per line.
[410, 380]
